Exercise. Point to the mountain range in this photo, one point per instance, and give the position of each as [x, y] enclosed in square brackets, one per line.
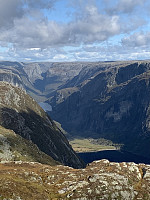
[107, 100]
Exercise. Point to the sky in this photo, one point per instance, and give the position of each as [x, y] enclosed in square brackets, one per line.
[74, 30]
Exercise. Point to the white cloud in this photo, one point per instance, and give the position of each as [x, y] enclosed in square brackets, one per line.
[60, 57]
[129, 5]
[9, 10]
[28, 34]
[139, 39]
[123, 6]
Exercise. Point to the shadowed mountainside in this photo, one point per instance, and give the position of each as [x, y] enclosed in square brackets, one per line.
[113, 105]
[20, 113]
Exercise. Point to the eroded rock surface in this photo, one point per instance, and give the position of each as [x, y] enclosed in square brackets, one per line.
[99, 180]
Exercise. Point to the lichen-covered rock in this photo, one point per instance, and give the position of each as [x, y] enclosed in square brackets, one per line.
[99, 180]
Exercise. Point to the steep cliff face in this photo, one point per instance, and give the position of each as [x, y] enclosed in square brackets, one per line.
[113, 105]
[48, 77]
[13, 72]
[20, 113]
[100, 180]
[10, 77]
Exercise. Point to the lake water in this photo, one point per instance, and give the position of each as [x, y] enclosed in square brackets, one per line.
[113, 156]
[46, 107]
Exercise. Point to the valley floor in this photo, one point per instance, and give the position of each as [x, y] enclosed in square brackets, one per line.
[92, 145]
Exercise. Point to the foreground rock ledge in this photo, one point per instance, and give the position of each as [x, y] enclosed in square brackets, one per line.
[99, 180]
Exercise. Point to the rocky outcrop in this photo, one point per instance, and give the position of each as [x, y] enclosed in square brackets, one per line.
[99, 180]
[34, 71]
[20, 113]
